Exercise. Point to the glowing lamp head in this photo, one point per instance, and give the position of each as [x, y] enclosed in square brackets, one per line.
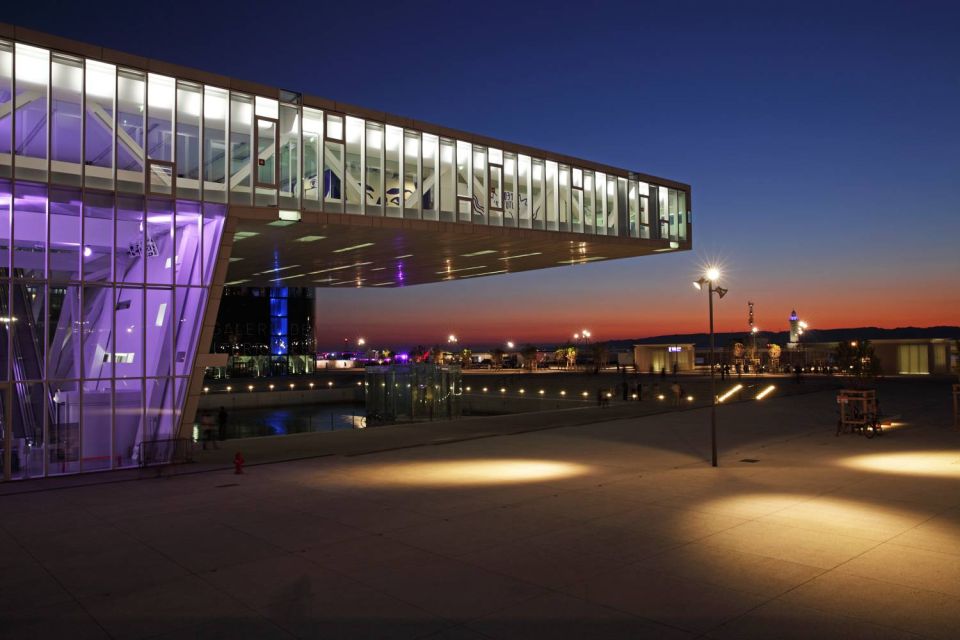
[712, 274]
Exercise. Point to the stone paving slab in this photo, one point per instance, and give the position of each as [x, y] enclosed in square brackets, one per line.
[593, 528]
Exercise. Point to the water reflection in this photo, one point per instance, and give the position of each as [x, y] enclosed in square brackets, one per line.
[275, 421]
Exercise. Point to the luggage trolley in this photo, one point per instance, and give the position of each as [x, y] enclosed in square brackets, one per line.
[858, 412]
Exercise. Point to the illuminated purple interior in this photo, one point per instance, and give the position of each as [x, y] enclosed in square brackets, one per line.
[104, 309]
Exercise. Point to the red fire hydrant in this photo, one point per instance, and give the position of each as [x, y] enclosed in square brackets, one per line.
[238, 463]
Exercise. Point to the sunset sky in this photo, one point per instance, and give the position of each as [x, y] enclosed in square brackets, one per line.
[822, 143]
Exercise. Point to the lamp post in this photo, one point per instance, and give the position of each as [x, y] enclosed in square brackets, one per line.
[710, 279]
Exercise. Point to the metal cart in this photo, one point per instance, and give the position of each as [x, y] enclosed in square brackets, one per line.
[859, 412]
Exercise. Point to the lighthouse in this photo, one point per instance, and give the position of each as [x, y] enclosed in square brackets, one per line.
[795, 329]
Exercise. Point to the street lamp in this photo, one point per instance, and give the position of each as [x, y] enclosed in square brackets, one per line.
[361, 342]
[452, 339]
[710, 279]
[509, 344]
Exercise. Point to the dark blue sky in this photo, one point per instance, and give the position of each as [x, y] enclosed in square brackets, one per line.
[821, 139]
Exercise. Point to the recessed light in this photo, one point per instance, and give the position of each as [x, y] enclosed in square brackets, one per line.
[242, 235]
[581, 260]
[345, 266]
[299, 275]
[521, 255]
[485, 273]
[446, 271]
[235, 259]
[310, 238]
[281, 223]
[478, 253]
[406, 255]
[356, 246]
[236, 282]
[276, 269]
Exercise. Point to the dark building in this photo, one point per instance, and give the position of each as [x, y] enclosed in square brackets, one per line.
[265, 331]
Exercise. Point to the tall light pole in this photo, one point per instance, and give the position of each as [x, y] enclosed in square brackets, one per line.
[710, 279]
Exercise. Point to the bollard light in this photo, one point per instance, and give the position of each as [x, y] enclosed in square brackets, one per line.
[311, 385]
[291, 385]
[689, 398]
[229, 388]
[563, 393]
[541, 392]
[250, 387]
[206, 389]
[271, 387]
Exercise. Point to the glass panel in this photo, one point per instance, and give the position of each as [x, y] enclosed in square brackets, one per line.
[97, 331]
[644, 217]
[157, 249]
[189, 112]
[550, 196]
[464, 179]
[30, 133]
[160, 101]
[374, 174]
[130, 255]
[97, 425]
[29, 231]
[634, 209]
[576, 208]
[28, 307]
[509, 190]
[190, 306]
[564, 203]
[66, 235]
[663, 212]
[101, 81]
[312, 160]
[130, 131]
[66, 97]
[391, 171]
[682, 214]
[334, 127]
[63, 345]
[186, 256]
[158, 332]
[448, 184]
[267, 107]
[622, 217]
[479, 185]
[674, 221]
[128, 421]
[128, 342]
[241, 139]
[159, 409]
[6, 101]
[523, 188]
[98, 236]
[266, 152]
[333, 174]
[600, 203]
[160, 178]
[588, 202]
[64, 430]
[213, 217]
[4, 329]
[215, 103]
[496, 195]
[411, 175]
[429, 171]
[611, 206]
[353, 166]
[289, 157]
[538, 208]
[26, 455]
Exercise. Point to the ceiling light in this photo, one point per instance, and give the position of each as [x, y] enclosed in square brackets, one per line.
[310, 238]
[477, 253]
[479, 266]
[281, 223]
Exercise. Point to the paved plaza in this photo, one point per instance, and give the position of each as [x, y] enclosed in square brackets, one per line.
[612, 526]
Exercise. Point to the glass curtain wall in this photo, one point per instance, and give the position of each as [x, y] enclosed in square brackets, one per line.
[126, 130]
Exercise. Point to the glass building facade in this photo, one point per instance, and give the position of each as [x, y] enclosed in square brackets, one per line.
[115, 184]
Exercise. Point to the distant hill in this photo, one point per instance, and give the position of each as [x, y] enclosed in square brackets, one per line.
[811, 335]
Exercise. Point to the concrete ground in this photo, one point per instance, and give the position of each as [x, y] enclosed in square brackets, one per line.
[610, 527]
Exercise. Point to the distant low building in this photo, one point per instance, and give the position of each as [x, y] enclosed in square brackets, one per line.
[657, 357]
